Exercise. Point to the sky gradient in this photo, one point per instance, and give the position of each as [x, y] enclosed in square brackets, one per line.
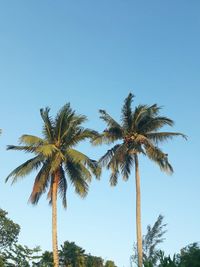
[92, 54]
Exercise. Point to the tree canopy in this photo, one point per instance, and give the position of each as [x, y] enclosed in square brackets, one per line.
[9, 230]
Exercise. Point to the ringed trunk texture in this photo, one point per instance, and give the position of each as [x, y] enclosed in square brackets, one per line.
[54, 221]
[138, 212]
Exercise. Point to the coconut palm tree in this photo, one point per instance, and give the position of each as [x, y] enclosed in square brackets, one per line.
[139, 135]
[55, 158]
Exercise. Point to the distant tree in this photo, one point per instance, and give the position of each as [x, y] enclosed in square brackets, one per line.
[190, 256]
[167, 261]
[137, 134]
[46, 260]
[55, 157]
[150, 240]
[110, 264]
[21, 256]
[9, 231]
[72, 255]
[93, 261]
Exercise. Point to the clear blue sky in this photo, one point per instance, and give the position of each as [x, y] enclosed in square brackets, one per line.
[92, 54]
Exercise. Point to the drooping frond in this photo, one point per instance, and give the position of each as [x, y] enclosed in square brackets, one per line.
[105, 159]
[62, 187]
[56, 160]
[123, 159]
[77, 177]
[48, 128]
[127, 112]
[25, 168]
[77, 157]
[156, 154]
[80, 166]
[163, 136]
[126, 166]
[41, 183]
[118, 157]
[49, 194]
[114, 176]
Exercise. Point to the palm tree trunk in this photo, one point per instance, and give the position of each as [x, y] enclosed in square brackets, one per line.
[54, 221]
[138, 212]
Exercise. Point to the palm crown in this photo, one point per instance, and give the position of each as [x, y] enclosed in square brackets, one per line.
[139, 133]
[55, 155]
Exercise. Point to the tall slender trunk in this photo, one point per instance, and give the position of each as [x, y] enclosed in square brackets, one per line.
[138, 212]
[54, 220]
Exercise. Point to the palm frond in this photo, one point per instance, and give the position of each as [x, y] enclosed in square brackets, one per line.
[105, 159]
[163, 136]
[31, 140]
[122, 158]
[156, 154]
[22, 148]
[126, 166]
[49, 194]
[79, 120]
[48, 129]
[138, 114]
[78, 134]
[63, 119]
[47, 150]
[127, 112]
[99, 139]
[25, 168]
[114, 176]
[56, 161]
[118, 158]
[108, 136]
[62, 186]
[77, 177]
[149, 124]
[111, 123]
[72, 126]
[154, 110]
[77, 156]
[83, 134]
[41, 183]
[81, 166]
